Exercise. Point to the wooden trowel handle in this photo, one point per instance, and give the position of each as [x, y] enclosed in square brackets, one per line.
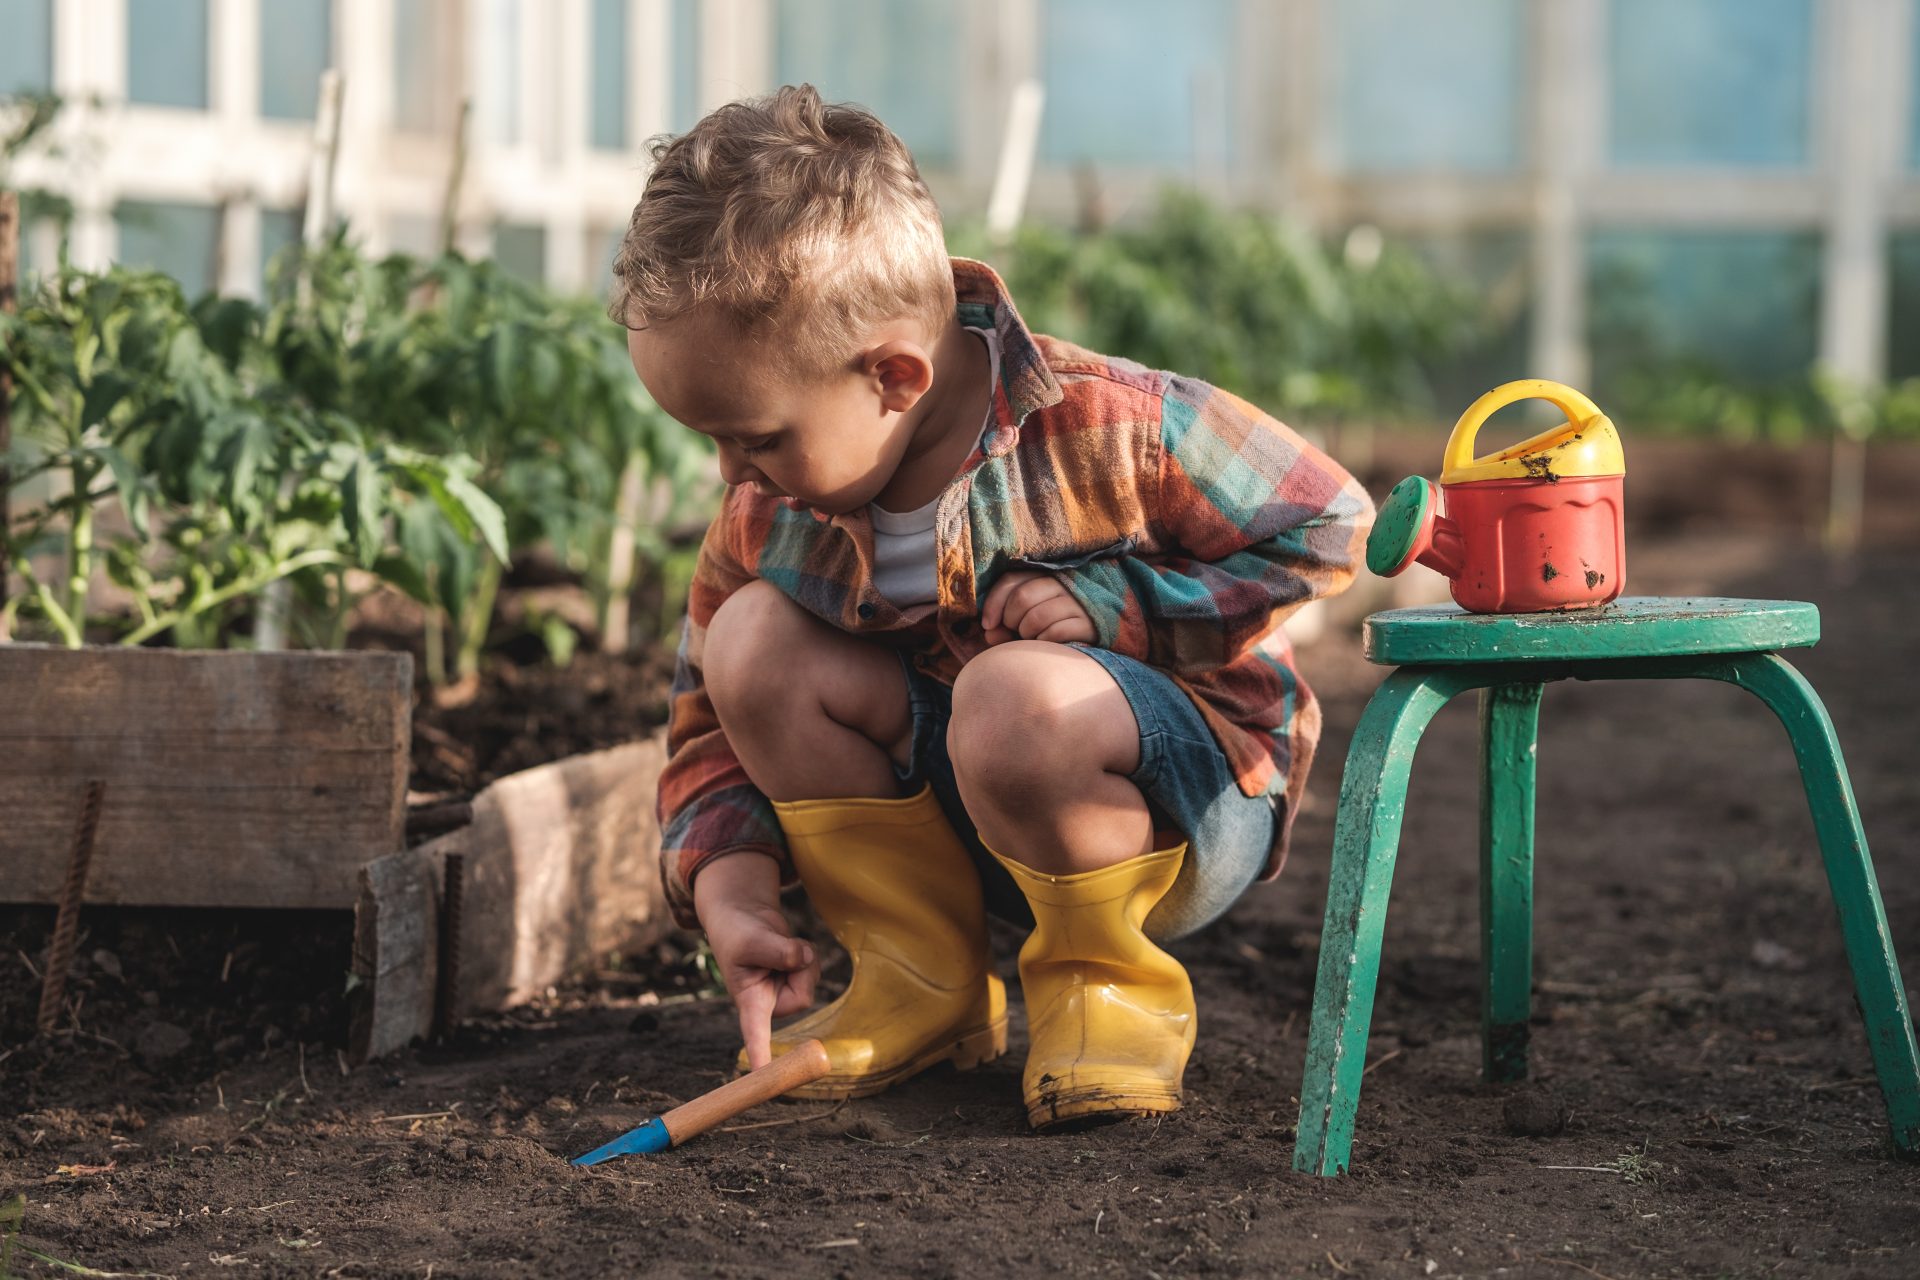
[801, 1065]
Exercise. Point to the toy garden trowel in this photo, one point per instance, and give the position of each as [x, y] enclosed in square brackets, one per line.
[802, 1065]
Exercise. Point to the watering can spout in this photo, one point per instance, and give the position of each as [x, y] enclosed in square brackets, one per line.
[1410, 529]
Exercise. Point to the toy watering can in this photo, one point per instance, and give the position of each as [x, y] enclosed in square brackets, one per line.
[1531, 529]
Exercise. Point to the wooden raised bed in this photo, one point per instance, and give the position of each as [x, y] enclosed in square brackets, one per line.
[231, 779]
[279, 780]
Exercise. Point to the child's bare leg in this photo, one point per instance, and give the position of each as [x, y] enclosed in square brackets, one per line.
[819, 719]
[1042, 741]
[811, 712]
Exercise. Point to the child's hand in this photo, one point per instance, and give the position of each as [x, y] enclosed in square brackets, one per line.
[768, 972]
[1025, 605]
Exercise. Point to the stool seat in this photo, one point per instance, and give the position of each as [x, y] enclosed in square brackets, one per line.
[1630, 627]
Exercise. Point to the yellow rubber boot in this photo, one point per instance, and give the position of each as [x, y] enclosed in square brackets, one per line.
[1110, 1016]
[893, 883]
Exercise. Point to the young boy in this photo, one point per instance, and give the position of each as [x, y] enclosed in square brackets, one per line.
[987, 622]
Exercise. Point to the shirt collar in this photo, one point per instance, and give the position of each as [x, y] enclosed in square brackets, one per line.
[1026, 383]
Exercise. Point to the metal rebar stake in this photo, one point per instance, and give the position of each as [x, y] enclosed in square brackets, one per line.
[446, 1011]
[66, 926]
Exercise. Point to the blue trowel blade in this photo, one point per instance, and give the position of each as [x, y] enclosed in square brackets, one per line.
[649, 1139]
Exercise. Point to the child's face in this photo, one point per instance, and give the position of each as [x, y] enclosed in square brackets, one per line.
[829, 442]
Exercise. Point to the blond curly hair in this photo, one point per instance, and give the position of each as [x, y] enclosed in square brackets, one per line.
[805, 223]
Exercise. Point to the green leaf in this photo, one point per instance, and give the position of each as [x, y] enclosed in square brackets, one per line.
[402, 572]
[104, 395]
[134, 491]
[483, 511]
[86, 346]
[227, 325]
[363, 508]
[244, 453]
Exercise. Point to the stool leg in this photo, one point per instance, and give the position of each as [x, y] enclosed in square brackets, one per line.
[1373, 795]
[1856, 893]
[1509, 730]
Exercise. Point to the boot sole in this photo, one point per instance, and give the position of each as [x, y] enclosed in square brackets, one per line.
[967, 1051]
[1069, 1106]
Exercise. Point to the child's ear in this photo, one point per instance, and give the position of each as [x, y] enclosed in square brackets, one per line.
[901, 371]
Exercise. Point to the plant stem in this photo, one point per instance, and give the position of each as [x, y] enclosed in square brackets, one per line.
[239, 587]
[436, 642]
[80, 549]
[342, 607]
[49, 605]
[479, 619]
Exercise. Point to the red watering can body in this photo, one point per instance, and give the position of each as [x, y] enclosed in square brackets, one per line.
[1530, 529]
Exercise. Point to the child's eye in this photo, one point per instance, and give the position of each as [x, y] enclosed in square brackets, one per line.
[753, 450]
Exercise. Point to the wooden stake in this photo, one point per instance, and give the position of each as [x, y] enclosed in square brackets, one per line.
[616, 625]
[456, 174]
[276, 602]
[66, 926]
[1018, 143]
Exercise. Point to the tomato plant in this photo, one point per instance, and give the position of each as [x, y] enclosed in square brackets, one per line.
[395, 421]
[166, 415]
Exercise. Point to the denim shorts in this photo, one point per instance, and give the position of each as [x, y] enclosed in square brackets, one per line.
[1185, 777]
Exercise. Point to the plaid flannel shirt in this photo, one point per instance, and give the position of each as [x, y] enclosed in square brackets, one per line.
[1185, 521]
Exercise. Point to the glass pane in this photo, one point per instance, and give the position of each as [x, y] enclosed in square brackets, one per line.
[1128, 86]
[897, 58]
[296, 45]
[607, 103]
[684, 20]
[279, 228]
[606, 247]
[1903, 330]
[1913, 114]
[167, 52]
[1420, 86]
[521, 251]
[26, 55]
[1709, 82]
[1739, 306]
[182, 240]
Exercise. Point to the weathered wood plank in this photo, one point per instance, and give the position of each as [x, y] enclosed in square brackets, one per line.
[233, 779]
[396, 937]
[562, 866]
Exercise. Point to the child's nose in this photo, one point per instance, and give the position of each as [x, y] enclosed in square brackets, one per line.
[736, 472]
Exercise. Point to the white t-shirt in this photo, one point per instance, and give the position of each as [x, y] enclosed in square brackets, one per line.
[903, 541]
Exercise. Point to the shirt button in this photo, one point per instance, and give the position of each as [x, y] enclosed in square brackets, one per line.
[866, 609]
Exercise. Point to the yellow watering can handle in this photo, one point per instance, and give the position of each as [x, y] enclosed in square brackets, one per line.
[1577, 407]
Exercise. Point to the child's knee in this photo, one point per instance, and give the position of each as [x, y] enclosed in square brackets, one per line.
[752, 641]
[1029, 714]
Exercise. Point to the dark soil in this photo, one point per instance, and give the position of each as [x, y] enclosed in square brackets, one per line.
[522, 715]
[1702, 1100]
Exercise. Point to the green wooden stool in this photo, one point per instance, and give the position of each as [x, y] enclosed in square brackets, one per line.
[1445, 651]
